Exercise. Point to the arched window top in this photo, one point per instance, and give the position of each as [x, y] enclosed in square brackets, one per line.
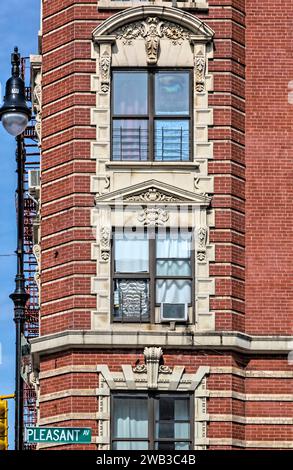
[197, 30]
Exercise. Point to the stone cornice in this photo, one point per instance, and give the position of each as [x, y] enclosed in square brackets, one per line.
[217, 341]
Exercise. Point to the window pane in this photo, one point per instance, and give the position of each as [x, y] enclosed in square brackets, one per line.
[130, 445]
[164, 408]
[173, 268]
[130, 139]
[171, 140]
[131, 253]
[173, 291]
[182, 430]
[130, 90]
[182, 409]
[130, 418]
[131, 300]
[172, 93]
[164, 446]
[181, 446]
[177, 245]
[164, 430]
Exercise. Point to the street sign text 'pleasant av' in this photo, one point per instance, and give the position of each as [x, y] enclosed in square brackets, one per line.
[59, 435]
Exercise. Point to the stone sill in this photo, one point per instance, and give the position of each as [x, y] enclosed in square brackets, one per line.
[148, 164]
[121, 5]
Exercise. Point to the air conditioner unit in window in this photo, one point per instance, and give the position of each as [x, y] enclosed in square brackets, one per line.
[174, 312]
[34, 182]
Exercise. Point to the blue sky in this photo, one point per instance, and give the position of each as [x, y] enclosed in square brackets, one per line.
[19, 25]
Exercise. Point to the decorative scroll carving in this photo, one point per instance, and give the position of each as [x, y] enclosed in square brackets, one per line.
[151, 367]
[202, 235]
[152, 30]
[37, 253]
[105, 185]
[140, 369]
[200, 65]
[105, 234]
[165, 370]
[153, 216]
[152, 358]
[105, 64]
[152, 195]
[197, 187]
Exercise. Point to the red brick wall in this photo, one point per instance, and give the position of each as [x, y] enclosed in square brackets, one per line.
[216, 383]
[269, 150]
[66, 231]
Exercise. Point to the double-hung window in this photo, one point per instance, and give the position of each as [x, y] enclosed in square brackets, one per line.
[152, 274]
[151, 115]
[151, 421]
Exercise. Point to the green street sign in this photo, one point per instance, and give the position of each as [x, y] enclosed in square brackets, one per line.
[58, 435]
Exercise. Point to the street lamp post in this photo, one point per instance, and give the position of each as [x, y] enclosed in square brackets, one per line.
[15, 116]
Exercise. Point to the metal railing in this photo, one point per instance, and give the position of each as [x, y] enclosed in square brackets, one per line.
[132, 144]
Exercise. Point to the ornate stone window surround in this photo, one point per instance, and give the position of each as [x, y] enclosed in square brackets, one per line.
[114, 45]
[134, 38]
[131, 208]
[153, 375]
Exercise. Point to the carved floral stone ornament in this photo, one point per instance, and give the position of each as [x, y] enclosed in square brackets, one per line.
[152, 366]
[151, 195]
[105, 234]
[152, 30]
[202, 236]
[153, 216]
[200, 65]
[105, 64]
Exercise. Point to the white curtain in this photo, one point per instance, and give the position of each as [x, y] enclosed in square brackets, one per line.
[131, 254]
[174, 246]
[173, 291]
[130, 421]
[181, 413]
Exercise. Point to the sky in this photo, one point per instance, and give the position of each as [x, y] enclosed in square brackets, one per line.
[19, 25]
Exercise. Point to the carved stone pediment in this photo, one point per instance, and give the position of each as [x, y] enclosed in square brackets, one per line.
[173, 23]
[152, 192]
[151, 30]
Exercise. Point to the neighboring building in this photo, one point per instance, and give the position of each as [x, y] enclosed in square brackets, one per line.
[158, 117]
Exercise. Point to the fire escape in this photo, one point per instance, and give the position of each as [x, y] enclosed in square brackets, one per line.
[31, 266]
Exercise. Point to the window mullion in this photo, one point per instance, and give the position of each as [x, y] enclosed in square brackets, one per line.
[152, 268]
[151, 413]
[151, 115]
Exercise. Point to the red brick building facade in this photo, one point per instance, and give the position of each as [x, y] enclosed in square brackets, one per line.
[230, 357]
